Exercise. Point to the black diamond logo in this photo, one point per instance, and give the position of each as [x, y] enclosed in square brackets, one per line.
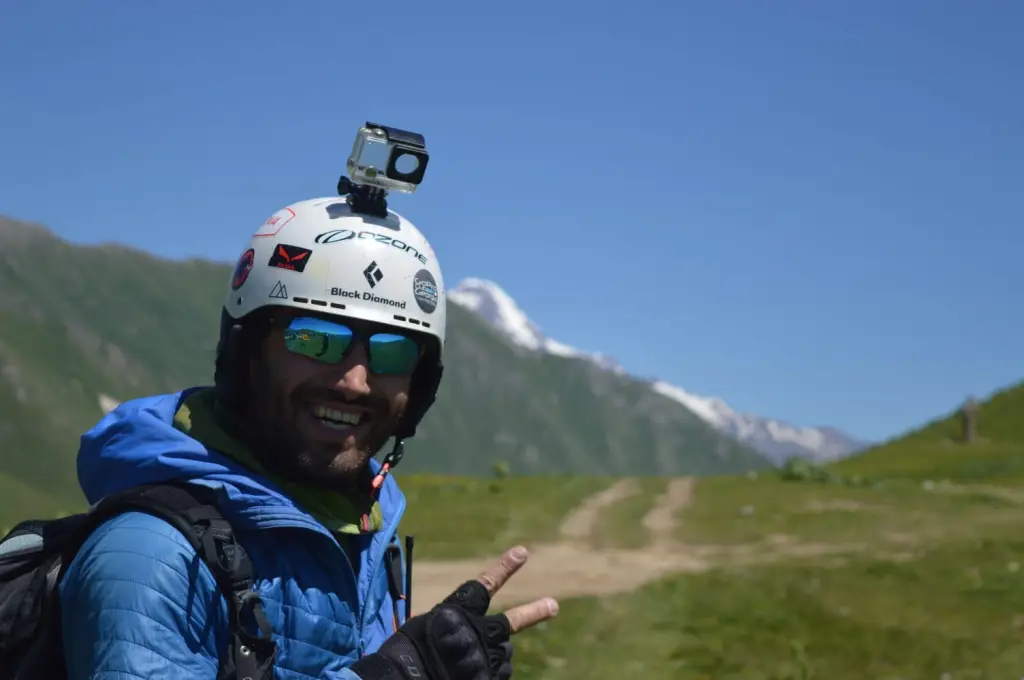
[373, 274]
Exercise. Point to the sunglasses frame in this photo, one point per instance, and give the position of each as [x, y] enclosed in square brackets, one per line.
[362, 331]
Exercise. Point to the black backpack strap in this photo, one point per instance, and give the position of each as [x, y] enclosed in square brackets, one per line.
[400, 591]
[192, 510]
[393, 573]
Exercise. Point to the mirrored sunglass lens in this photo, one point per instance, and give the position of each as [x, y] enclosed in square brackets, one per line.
[318, 339]
[391, 353]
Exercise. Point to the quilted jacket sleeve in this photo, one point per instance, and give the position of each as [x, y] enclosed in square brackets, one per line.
[138, 603]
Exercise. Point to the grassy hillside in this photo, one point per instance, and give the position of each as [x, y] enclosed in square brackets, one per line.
[777, 581]
[77, 322]
[492, 515]
[936, 450]
[916, 577]
[954, 613]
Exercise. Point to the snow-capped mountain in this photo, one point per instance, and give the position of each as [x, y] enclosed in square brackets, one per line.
[775, 439]
[489, 301]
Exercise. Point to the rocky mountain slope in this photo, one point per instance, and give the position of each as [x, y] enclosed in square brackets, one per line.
[775, 439]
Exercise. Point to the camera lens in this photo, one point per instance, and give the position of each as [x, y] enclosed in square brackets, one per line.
[406, 164]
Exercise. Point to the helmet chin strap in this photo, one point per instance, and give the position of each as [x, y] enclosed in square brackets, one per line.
[393, 458]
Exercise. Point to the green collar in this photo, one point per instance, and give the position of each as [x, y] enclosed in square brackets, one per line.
[200, 418]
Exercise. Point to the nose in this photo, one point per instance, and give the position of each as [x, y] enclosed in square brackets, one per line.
[352, 375]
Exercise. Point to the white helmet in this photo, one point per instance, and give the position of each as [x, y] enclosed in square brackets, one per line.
[320, 255]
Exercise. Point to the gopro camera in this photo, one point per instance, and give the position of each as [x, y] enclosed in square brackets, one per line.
[388, 158]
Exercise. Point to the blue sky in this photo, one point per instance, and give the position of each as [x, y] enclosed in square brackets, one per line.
[811, 209]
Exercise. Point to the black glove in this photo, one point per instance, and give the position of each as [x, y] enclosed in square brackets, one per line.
[455, 640]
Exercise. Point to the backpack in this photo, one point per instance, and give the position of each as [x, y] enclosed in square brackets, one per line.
[35, 555]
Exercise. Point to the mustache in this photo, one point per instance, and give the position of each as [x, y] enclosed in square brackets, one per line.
[313, 394]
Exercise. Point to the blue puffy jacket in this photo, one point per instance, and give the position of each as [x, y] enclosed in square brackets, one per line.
[135, 605]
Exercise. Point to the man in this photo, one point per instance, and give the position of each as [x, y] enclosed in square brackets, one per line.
[331, 344]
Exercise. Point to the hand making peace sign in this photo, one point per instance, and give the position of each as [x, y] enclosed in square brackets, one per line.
[495, 576]
[457, 639]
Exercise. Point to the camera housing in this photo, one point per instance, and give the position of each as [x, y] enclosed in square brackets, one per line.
[388, 158]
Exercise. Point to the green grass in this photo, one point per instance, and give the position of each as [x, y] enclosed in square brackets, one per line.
[923, 583]
[998, 462]
[465, 517]
[453, 517]
[934, 585]
[958, 610]
[836, 515]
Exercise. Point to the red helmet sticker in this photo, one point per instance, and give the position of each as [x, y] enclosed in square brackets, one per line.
[242, 269]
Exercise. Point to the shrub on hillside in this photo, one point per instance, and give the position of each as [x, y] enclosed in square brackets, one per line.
[800, 470]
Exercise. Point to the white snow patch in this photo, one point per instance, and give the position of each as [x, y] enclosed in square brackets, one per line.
[489, 301]
[496, 306]
[775, 439]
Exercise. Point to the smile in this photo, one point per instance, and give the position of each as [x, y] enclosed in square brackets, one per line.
[338, 419]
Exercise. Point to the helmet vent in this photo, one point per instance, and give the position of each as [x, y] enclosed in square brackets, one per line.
[318, 303]
[425, 324]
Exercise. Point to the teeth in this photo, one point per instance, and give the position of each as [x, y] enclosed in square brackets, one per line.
[334, 416]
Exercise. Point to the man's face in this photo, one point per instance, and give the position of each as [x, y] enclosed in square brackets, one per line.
[320, 423]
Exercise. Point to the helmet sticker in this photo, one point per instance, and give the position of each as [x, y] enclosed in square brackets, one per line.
[366, 296]
[275, 223]
[279, 291]
[424, 289]
[242, 269]
[342, 235]
[373, 274]
[289, 257]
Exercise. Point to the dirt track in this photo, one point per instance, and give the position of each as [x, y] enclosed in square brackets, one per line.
[570, 567]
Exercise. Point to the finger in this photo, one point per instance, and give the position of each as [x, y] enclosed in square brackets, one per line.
[497, 575]
[526, 615]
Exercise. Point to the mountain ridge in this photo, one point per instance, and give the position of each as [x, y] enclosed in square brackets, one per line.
[777, 439]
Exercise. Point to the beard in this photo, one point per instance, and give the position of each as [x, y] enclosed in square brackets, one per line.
[278, 442]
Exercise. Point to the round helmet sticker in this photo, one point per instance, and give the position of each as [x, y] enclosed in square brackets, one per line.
[424, 289]
[242, 269]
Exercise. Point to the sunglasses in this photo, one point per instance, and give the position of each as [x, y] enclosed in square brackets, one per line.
[330, 342]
